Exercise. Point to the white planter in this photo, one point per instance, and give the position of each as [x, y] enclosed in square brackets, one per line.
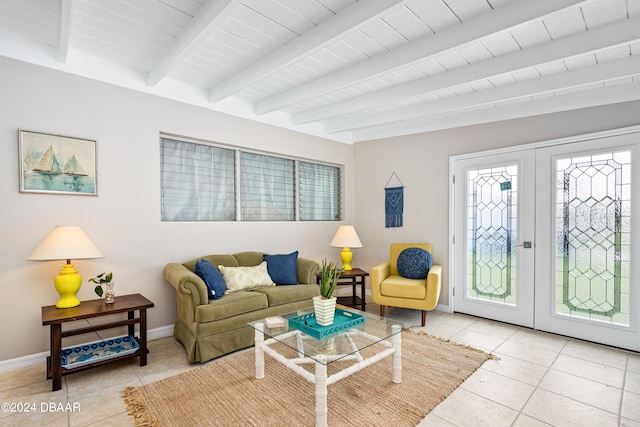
[325, 310]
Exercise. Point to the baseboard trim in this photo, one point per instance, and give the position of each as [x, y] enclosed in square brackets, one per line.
[22, 362]
[161, 332]
[444, 308]
[35, 359]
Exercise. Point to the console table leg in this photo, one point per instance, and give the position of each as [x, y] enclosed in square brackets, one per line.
[321, 392]
[353, 292]
[56, 356]
[143, 337]
[131, 328]
[396, 341]
[259, 340]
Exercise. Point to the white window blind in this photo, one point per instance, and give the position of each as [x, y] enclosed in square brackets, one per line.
[267, 188]
[198, 182]
[319, 192]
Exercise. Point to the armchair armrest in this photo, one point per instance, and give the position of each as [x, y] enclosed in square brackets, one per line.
[434, 284]
[378, 274]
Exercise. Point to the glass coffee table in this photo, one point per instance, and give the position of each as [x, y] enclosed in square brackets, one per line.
[380, 337]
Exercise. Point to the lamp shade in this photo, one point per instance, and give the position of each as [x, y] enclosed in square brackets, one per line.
[65, 242]
[346, 237]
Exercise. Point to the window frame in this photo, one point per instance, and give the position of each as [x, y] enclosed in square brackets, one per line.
[238, 152]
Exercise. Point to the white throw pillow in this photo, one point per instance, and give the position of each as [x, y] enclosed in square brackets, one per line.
[244, 278]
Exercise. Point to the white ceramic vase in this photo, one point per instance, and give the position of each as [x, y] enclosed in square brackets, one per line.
[325, 309]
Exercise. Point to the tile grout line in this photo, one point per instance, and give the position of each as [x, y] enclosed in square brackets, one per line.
[537, 386]
[624, 392]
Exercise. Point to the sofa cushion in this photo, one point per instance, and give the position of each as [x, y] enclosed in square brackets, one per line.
[280, 295]
[212, 278]
[401, 287]
[283, 269]
[231, 305]
[414, 263]
[245, 278]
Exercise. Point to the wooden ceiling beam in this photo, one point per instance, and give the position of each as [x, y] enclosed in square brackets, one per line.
[330, 30]
[588, 41]
[565, 102]
[208, 17]
[66, 18]
[514, 13]
[594, 74]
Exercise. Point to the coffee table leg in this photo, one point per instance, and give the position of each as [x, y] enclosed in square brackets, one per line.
[321, 391]
[396, 341]
[259, 340]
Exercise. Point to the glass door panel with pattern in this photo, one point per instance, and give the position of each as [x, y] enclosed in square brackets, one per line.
[584, 285]
[494, 230]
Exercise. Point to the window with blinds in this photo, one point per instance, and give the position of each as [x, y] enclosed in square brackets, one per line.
[267, 189]
[319, 192]
[199, 184]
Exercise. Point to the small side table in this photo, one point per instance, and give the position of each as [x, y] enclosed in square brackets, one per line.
[55, 317]
[352, 277]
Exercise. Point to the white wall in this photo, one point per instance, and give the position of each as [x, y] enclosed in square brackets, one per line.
[124, 220]
[422, 163]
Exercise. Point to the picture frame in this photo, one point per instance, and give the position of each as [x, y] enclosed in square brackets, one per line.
[56, 164]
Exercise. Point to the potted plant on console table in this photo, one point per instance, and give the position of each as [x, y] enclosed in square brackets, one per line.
[324, 305]
[105, 285]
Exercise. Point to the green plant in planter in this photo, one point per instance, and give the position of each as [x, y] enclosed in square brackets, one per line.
[100, 279]
[329, 278]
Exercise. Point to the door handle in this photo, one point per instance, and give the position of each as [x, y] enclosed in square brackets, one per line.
[526, 245]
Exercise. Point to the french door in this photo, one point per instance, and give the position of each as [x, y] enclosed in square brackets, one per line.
[544, 238]
[494, 269]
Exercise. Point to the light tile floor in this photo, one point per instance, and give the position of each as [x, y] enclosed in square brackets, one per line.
[539, 379]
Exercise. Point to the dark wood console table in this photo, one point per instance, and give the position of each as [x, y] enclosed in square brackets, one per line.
[352, 277]
[55, 317]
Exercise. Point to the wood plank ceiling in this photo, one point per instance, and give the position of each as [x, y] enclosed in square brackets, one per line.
[344, 69]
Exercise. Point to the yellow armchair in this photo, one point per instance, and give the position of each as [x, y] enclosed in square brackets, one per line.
[388, 288]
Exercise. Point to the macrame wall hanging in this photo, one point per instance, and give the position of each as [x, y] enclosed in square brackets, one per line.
[393, 203]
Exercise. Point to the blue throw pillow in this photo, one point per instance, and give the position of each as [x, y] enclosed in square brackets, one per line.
[212, 278]
[414, 263]
[283, 269]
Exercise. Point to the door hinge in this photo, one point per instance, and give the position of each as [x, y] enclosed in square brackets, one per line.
[453, 179]
[454, 292]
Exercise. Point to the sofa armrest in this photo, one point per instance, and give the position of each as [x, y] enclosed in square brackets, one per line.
[307, 270]
[186, 283]
[378, 274]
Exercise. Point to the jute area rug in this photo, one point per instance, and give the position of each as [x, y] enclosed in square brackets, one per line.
[225, 392]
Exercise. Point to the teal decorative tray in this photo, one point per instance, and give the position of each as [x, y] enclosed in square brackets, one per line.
[99, 350]
[342, 321]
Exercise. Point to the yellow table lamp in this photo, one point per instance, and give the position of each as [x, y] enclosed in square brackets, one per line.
[66, 242]
[346, 238]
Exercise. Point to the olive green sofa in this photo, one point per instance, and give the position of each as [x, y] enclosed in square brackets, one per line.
[211, 328]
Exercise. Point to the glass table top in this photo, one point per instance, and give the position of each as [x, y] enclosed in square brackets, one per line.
[336, 347]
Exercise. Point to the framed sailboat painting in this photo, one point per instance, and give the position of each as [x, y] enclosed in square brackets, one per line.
[57, 164]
